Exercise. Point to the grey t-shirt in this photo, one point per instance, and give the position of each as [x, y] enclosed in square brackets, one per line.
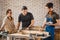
[54, 16]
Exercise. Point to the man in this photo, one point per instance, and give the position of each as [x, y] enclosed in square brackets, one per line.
[51, 21]
[26, 18]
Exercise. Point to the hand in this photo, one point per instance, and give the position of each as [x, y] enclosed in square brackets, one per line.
[41, 29]
[27, 28]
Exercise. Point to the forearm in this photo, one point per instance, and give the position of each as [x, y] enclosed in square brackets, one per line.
[18, 25]
[44, 23]
[32, 23]
[56, 24]
[43, 26]
[2, 27]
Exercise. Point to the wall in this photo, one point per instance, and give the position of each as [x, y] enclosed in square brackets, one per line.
[36, 7]
[59, 7]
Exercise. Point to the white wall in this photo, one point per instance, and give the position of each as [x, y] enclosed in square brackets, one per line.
[37, 7]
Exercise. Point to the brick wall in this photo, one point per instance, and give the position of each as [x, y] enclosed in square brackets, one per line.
[37, 7]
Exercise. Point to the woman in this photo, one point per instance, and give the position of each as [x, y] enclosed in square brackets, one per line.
[8, 22]
[51, 20]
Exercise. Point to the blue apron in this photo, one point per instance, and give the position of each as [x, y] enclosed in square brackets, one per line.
[50, 29]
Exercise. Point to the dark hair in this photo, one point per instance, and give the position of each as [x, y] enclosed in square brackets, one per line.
[8, 11]
[49, 5]
[24, 8]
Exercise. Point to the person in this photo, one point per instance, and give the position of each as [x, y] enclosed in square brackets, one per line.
[8, 23]
[26, 18]
[51, 21]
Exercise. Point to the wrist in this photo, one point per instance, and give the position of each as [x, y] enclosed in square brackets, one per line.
[29, 26]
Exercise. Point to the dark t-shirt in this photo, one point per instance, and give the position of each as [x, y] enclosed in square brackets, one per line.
[54, 16]
[26, 20]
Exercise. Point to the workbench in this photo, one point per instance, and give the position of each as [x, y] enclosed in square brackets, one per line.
[26, 34]
[34, 33]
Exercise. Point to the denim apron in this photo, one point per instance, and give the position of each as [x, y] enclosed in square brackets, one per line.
[50, 29]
